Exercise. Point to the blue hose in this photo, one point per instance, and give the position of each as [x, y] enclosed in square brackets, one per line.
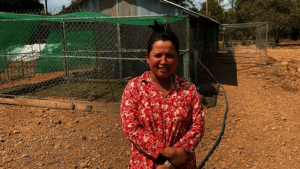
[226, 111]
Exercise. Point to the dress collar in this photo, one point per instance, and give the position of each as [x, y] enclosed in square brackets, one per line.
[146, 77]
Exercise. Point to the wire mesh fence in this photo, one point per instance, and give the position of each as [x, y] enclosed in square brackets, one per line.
[77, 56]
[244, 38]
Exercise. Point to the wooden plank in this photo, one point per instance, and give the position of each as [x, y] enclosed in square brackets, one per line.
[64, 104]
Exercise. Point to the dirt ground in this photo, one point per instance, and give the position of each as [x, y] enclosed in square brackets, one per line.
[262, 127]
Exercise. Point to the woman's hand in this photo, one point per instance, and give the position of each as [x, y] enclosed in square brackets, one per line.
[162, 167]
[180, 157]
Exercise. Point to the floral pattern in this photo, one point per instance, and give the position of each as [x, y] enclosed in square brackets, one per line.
[152, 121]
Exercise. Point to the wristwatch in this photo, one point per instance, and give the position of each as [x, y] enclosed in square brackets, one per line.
[169, 165]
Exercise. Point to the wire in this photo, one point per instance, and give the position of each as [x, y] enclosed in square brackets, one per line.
[226, 110]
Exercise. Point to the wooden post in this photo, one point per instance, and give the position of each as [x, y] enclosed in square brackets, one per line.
[102, 65]
[11, 73]
[22, 64]
[27, 69]
[7, 72]
[95, 41]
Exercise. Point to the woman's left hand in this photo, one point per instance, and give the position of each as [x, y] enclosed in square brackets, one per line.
[162, 167]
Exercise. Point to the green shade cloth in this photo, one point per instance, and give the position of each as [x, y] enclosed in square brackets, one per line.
[17, 29]
[13, 36]
[76, 39]
[91, 16]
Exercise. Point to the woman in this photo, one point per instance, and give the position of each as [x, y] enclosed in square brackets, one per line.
[161, 113]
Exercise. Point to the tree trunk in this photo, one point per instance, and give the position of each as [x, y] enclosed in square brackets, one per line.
[276, 37]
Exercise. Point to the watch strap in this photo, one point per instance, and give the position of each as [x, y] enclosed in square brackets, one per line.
[169, 165]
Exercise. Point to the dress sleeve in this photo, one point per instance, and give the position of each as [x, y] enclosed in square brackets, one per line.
[143, 140]
[196, 130]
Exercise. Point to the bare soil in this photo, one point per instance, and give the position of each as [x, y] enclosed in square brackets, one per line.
[262, 127]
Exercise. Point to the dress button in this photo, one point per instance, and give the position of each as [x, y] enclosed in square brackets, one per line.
[165, 113]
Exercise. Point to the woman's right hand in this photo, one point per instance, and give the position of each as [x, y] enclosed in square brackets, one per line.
[180, 157]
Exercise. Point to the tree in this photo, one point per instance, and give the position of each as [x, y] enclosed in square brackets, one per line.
[232, 3]
[281, 15]
[73, 1]
[20, 5]
[184, 3]
[231, 17]
[216, 10]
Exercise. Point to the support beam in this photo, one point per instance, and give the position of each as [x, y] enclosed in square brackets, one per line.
[64, 104]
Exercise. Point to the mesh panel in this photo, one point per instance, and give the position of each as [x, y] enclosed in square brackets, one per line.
[76, 56]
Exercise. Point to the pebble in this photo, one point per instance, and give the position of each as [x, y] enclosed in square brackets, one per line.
[240, 147]
[83, 137]
[273, 128]
[57, 146]
[40, 164]
[9, 160]
[25, 155]
[3, 153]
[84, 164]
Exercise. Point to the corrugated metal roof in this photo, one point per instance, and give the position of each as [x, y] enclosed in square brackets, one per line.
[193, 13]
[185, 10]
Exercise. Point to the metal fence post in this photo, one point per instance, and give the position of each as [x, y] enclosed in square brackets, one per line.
[260, 31]
[119, 43]
[119, 51]
[266, 38]
[257, 41]
[186, 56]
[95, 42]
[66, 65]
[198, 51]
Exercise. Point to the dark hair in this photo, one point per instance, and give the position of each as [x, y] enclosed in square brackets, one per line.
[164, 33]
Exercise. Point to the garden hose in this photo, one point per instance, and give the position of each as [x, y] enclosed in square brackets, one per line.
[226, 110]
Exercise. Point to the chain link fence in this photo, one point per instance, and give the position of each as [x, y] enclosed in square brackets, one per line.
[78, 56]
[249, 38]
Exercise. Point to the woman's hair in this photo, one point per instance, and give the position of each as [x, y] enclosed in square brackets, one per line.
[164, 33]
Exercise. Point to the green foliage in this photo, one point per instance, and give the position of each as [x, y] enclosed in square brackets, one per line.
[231, 17]
[281, 15]
[73, 1]
[216, 10]
[194, 9]
[184, 3]
[20, 5]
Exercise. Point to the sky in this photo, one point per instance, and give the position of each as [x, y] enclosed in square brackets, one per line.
[226, 3]
[57, 4]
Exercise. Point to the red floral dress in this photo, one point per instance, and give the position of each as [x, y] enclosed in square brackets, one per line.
[151, 121]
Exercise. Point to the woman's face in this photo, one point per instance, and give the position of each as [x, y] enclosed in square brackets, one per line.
[162, 59]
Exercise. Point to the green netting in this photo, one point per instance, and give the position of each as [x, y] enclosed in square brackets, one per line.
[13, 36]
[16, 29]
[91, 16]
[77, 39]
